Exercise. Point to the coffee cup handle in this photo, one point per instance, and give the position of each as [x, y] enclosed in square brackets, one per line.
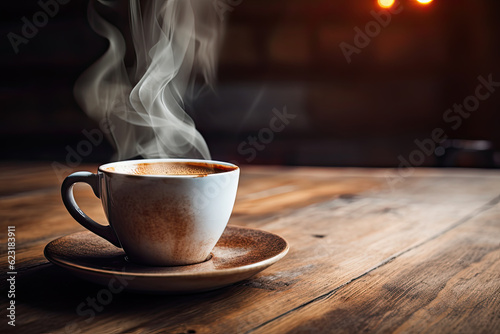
[91, 179]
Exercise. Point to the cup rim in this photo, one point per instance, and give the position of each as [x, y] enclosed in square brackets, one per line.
[103, 167]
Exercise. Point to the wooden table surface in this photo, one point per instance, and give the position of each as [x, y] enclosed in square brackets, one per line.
[369, 252]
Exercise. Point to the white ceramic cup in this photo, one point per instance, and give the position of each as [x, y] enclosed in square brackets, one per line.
[158, 218]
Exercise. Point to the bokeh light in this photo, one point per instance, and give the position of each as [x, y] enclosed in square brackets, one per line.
[386, 3]
[424, 2]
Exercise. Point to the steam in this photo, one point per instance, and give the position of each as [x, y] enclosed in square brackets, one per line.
[175, 43]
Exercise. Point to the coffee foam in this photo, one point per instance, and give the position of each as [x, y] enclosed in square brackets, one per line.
[171, 168]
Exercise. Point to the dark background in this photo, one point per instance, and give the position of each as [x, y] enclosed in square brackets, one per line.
[280, 53]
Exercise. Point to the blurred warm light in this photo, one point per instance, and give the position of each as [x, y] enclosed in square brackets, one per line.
[386, 3]
[424, 2]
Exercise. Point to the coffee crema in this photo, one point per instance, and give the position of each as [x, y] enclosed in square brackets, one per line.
[171, 168]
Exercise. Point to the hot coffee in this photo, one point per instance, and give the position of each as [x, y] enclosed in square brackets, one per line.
[171, 168]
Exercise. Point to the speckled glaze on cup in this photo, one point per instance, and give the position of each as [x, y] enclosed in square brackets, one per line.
[159, 220]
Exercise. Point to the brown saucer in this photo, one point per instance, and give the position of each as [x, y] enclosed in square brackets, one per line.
[239, 254]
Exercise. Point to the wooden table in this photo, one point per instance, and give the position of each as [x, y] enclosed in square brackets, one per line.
[370, 252]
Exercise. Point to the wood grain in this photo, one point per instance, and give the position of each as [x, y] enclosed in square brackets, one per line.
[450, 283]
[16, 178]
[364, 256]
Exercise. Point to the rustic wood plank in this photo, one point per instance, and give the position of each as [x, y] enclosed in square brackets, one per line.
[333, 239]
[40, 216]
[17, 178]
[291, 192]
[451, 283]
